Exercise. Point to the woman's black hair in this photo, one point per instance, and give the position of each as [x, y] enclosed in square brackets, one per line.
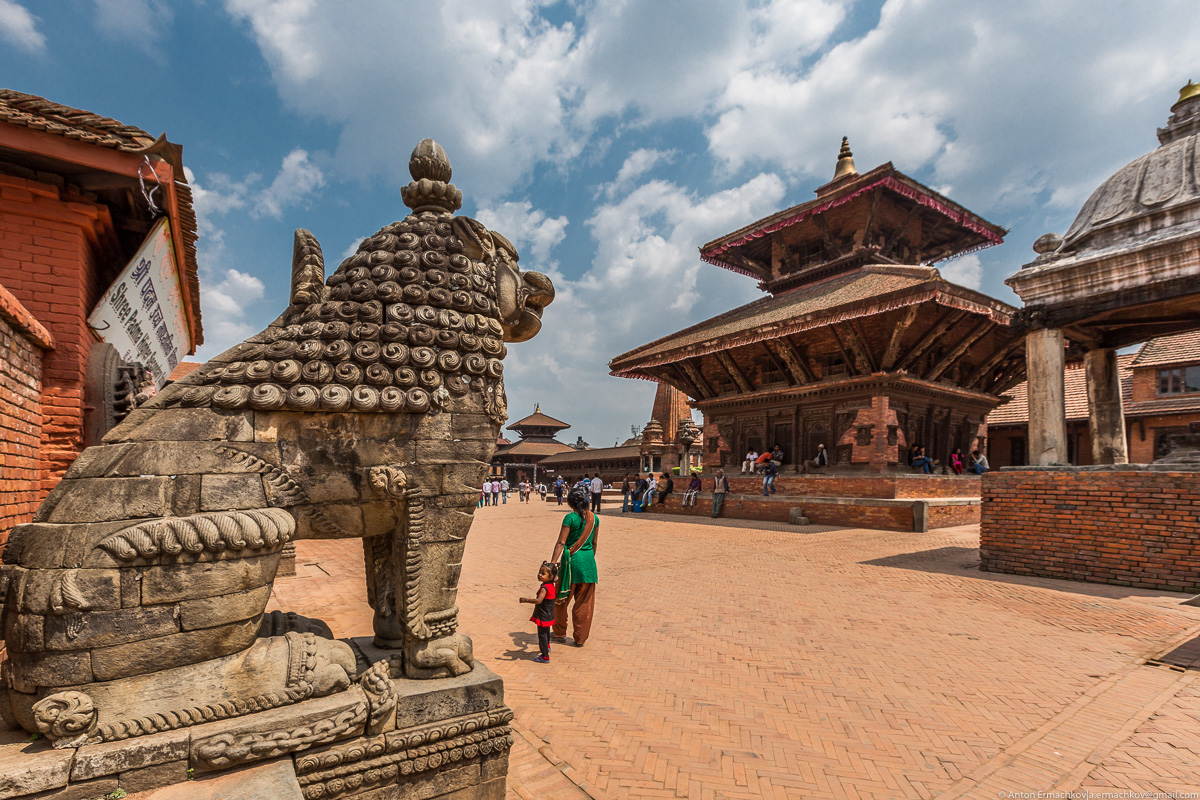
[578, 499]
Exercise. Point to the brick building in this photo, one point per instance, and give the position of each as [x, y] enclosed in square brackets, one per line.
[79, 195]
[1160, 394]
[861, 346]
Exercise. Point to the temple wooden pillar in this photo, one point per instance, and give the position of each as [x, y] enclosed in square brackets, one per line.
[1106, 416]
[1045, 362]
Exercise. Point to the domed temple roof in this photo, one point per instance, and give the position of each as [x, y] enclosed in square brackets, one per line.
[1166, 177]
[1128, 269]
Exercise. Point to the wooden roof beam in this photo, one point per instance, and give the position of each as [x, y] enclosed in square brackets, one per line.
[988, 367]
[785, 351]
[894, 239]
[689, 386]
[893, 349]
[851, 362]
[726, 362]
[931, 336]
[964, 344]
[858, 344]
[693, 372]
[831, 248]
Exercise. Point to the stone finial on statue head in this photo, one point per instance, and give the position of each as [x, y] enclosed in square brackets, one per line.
[430, 189]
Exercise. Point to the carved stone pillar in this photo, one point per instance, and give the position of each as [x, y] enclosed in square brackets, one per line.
[1045, 361]
[1106, 418]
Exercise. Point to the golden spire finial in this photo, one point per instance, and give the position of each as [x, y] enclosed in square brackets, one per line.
[845, 162]
[1189, 91]
[537, 408]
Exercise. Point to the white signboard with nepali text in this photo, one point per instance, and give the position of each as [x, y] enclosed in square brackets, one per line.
[141, 314]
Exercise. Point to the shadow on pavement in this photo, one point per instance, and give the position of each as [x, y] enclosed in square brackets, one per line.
[964, 561]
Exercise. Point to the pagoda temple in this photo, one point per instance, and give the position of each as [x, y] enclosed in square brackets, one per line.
[860, 345]
[537, 432]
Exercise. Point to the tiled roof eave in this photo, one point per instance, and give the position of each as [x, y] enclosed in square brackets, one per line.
[937, 291]
[890, 179]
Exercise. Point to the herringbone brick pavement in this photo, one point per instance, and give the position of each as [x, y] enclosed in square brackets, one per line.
[767, 661]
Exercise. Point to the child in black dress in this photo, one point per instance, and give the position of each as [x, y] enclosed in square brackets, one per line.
[543, 613]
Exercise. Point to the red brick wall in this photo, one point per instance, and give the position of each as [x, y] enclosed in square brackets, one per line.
[950, 516]
[1127, 527]
[48, 244]
[22, 341]
[883, 486]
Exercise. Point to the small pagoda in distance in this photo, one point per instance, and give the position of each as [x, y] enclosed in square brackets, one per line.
[537, 432]
[861, 345]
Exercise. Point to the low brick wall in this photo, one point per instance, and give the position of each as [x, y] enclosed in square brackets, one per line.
[885, 514]
[1134, 525]
[888, 485]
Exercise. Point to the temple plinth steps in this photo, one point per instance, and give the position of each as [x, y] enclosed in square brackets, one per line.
[883, 502]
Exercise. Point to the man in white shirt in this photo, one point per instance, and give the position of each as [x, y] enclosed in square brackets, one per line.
[748, 464]
[597, 489]
[504, 490]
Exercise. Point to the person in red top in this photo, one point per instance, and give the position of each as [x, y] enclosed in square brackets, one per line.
[761, 462]
[543, 614]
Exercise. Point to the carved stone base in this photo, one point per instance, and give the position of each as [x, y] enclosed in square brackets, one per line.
[384, 738]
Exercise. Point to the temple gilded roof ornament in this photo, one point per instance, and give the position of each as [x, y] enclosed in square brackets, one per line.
[845, 162]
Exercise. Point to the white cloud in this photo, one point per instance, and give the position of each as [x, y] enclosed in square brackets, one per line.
[224, 304]
[637, 164]
[646, 281]
[142, 22]
[1003, 106]
[298, 178]
[19, 28]
[529, 229]
[966, 271]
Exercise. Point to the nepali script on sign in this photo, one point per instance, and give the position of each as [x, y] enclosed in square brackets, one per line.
[141, 314]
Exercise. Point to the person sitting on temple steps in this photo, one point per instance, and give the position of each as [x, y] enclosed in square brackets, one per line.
[820, 461]
[956, 461]
[979, 463]
[918, 460]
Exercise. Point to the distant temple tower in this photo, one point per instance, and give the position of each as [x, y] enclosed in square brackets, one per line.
[860, 345]
[537, 432]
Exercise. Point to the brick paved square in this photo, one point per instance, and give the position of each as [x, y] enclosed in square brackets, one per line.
[733, 660]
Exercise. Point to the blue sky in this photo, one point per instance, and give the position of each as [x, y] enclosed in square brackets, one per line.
[608, 139]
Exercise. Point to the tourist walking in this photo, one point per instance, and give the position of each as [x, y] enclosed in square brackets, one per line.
[575, 553]
[720, 489]
[770, 471]
[543, 612]
[597, 487]
[504, 490]
[668, 487]
[748, 463]
[523, 487]
[819, 461]
[495, 492]
[559, 488]
[693, 490]
[979, 463]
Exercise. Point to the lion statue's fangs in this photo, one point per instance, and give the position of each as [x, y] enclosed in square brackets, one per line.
[369, 409]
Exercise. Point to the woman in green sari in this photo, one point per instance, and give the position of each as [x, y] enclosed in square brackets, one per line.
[575, 553]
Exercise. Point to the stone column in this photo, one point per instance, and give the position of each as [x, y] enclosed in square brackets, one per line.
[1045, 363]
[1106, 418]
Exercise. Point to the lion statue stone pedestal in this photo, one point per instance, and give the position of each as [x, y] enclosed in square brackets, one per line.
[133, 605]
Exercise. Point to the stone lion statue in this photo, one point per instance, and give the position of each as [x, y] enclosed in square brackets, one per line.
[369, 409]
